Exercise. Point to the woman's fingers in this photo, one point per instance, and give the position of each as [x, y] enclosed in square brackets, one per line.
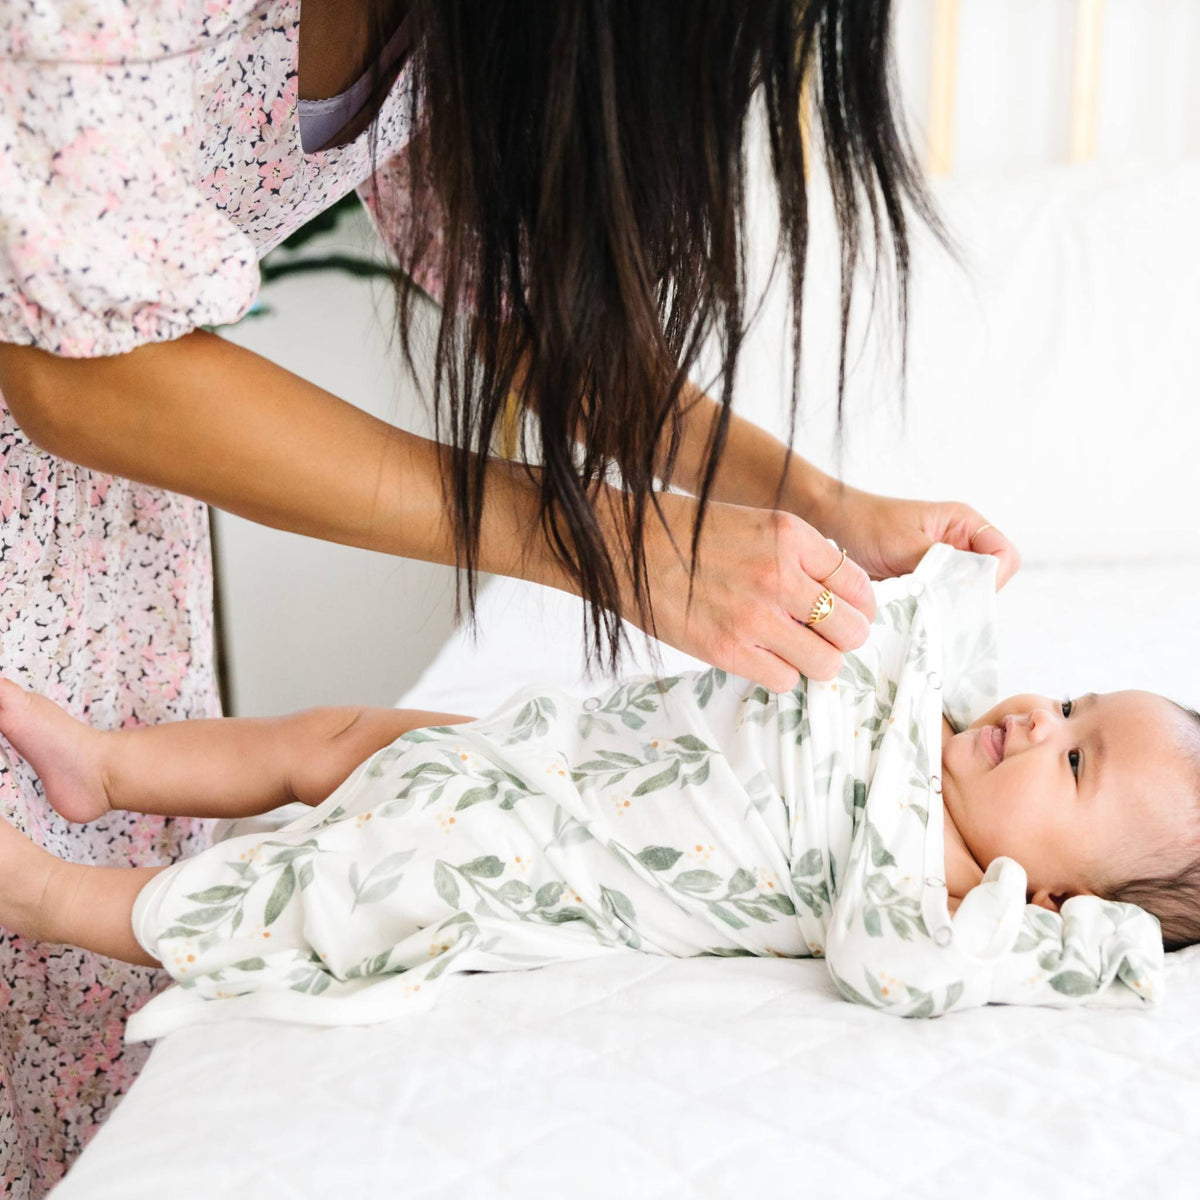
[774, 660]
[845, 627]
[1008, 559]
[810, 565]
[759, 575]
[844, 578]
[795, 643]
[766, 668]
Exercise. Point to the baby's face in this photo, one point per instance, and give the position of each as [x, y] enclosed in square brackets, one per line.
[1081, 793]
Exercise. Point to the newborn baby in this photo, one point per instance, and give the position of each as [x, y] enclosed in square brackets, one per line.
[940, 850]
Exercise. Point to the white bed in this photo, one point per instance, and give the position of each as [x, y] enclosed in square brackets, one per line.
[642, 1077]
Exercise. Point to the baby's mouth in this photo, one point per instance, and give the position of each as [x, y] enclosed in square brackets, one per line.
[991, 740]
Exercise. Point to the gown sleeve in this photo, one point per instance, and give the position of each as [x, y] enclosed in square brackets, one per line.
[106, 239]
[962, 588]
[1003, 951]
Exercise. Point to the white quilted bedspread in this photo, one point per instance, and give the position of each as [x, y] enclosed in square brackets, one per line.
[646, 1078]
[623, 1079]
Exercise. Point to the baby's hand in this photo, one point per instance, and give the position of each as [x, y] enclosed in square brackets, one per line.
[67, 754]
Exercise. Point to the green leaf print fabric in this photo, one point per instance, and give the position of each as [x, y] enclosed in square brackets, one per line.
[692, 815]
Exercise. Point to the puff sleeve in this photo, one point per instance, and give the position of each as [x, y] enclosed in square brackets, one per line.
[405, 210]
[106, 240]
[407, 213]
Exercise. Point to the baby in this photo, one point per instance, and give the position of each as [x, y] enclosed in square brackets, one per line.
[692, 815]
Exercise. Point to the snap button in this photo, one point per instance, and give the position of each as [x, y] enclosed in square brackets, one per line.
[943, 936]
[915, 587]
[935, 680]
[934, 881]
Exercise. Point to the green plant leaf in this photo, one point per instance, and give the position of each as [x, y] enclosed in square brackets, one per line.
[659, 858]
[486, 867]
[871, 922]
[778, 901]
[619, 903]
[1074, 983]
[285, 885]
[696, 881]
[445, 883]
[476, 795]
[215, 895]
[662, 780]
[178, 931]
[740, 881]
[809, 863]
[515, 891]
[563, 915]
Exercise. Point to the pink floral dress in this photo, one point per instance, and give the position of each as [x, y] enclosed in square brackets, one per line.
[149, 156]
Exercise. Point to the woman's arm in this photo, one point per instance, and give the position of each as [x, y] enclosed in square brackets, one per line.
[206, 418]
[750, 464]
[209, 419]
[884, 535]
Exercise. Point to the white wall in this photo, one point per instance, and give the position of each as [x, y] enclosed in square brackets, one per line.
[309, 622]
[1014, 80]
[313, 623]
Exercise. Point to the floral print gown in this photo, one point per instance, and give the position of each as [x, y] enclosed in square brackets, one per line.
[149, 155]
[692, 815]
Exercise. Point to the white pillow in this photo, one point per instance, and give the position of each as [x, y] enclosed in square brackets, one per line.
[1053, 384]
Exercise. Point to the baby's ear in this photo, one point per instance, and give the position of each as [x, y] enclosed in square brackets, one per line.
[1043, 899]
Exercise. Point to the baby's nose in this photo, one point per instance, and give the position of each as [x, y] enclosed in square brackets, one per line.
[1040, 722]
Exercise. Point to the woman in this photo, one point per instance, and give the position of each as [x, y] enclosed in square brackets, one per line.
[565, 176]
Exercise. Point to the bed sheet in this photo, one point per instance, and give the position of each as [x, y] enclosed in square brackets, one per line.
[642, 1077]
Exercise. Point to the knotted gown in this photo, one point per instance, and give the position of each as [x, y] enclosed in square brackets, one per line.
[696, 814]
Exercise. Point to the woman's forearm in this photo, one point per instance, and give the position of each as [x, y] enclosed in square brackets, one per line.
[750, 465]
[206, 418]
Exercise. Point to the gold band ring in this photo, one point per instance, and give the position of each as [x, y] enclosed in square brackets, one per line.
[836, 569]
[971, 539]
[822, 607]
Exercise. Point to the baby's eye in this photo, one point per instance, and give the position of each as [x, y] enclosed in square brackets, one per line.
[1073, 758]
[1068, 707]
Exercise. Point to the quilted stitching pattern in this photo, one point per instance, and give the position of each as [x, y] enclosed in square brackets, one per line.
[648, 1079]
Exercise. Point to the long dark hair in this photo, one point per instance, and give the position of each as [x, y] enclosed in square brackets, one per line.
[588, 159]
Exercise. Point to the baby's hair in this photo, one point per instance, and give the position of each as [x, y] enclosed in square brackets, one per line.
[1173, 899]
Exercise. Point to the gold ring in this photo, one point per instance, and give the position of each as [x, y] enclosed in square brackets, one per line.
[836, 569]
[971, 539]
[821, 609]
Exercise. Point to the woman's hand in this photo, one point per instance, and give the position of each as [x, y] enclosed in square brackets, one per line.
[759, 573]
[888, 537]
